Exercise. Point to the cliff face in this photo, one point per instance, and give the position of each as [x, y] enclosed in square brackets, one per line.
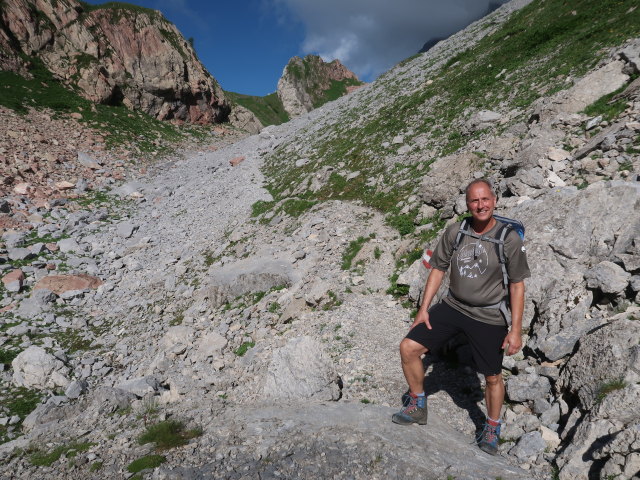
[306, 83]
[113, 54]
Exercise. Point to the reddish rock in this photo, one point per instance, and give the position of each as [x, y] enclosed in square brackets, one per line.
[13, 281]
[7, 308]
[236, 161]
[21, 188]
[64, 185]
[59, 284]
[52, 247]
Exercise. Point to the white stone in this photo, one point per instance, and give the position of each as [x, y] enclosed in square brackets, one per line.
[36, 368]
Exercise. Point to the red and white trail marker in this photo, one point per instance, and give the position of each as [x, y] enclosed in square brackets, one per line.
[426, 257]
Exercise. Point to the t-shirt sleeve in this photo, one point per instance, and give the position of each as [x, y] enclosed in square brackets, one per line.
[516, 254]
[441, 257]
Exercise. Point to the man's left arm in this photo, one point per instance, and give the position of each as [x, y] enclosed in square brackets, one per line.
[513, 340]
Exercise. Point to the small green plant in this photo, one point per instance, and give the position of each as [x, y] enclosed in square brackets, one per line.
[608, 387]
[149, 461]
[352, 250]
[242, 349]
[628, 165]
[273, 307]
[95, 466]
[46, 459]
[365, 401]
[377, 253]
[168, 434]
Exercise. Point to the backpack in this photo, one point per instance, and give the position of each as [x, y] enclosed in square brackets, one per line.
[498, 241]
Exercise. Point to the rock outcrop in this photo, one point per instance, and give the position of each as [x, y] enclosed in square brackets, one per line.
[113, 54]
[306, 83]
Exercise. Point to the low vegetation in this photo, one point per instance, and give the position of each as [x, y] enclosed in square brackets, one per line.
[267, 109]
[42, 458]
[549, 43]
[168, 434]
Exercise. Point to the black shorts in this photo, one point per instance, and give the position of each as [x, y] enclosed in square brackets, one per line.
[485, 340]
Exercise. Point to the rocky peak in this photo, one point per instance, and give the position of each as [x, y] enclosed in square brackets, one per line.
[307, 83]
[115, 54]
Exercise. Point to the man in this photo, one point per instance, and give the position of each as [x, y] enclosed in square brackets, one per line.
[477, 289]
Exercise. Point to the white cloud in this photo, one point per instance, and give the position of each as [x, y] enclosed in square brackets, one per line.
[370, 36]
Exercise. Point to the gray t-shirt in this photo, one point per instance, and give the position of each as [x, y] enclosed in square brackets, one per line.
[476, 274]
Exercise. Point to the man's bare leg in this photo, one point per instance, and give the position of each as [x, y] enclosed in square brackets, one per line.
[410, 353]
[494, 395]
[415, 408]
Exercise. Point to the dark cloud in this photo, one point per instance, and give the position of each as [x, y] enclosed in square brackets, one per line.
[370, 36]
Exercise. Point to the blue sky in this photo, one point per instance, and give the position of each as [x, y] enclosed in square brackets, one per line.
[245, 44]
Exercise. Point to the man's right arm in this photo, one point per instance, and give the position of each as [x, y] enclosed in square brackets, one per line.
[431, 288]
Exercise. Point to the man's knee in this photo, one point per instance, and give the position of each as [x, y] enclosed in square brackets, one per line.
[410, 349]
[493, 380]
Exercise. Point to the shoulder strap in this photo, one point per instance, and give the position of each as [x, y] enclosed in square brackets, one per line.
[501, 235]
[464, 224]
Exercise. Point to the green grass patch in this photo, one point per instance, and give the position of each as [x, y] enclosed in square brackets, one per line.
[608, 387]
[148, 461]
[260, 207]
[168, 434]
[268, 109]
[297, 206]
[7, 356]
[244, 348]
[352, 250]
[45, 459]
[606, 107]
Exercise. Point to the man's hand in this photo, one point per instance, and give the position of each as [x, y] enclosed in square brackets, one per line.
[514, 342]
[421, 316]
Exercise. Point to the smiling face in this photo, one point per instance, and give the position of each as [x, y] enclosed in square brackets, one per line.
[481, 202]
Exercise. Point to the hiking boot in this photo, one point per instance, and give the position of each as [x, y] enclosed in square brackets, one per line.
[489, 438]
[413, 411]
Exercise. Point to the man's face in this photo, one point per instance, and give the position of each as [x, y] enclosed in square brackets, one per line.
[481, 202]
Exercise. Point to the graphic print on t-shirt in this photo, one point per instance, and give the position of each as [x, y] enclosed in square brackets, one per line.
[472, 260]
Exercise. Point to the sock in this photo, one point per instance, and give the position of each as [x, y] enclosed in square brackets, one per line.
[415, 395]
[493, 422]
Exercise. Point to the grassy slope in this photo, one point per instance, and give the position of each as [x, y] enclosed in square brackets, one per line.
[268, 109]
[538, 47]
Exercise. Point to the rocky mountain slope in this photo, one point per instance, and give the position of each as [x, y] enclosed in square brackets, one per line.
[235, 312]
[114, 53]
[307, 83]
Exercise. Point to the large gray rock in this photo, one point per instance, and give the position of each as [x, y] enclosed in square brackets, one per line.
[140, 386]
[606, 355]
[608, 277]
[254, 274]
[529, 446]
[596, 436]
[301, 369]
[35, 368]
[521, 388]
[447, 177]
[557, 297]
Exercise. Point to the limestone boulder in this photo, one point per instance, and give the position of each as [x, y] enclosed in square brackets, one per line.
[254, 274]
[608, 355]
[447, 177]
[561, 246]
[35, 368]
[301, 369]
